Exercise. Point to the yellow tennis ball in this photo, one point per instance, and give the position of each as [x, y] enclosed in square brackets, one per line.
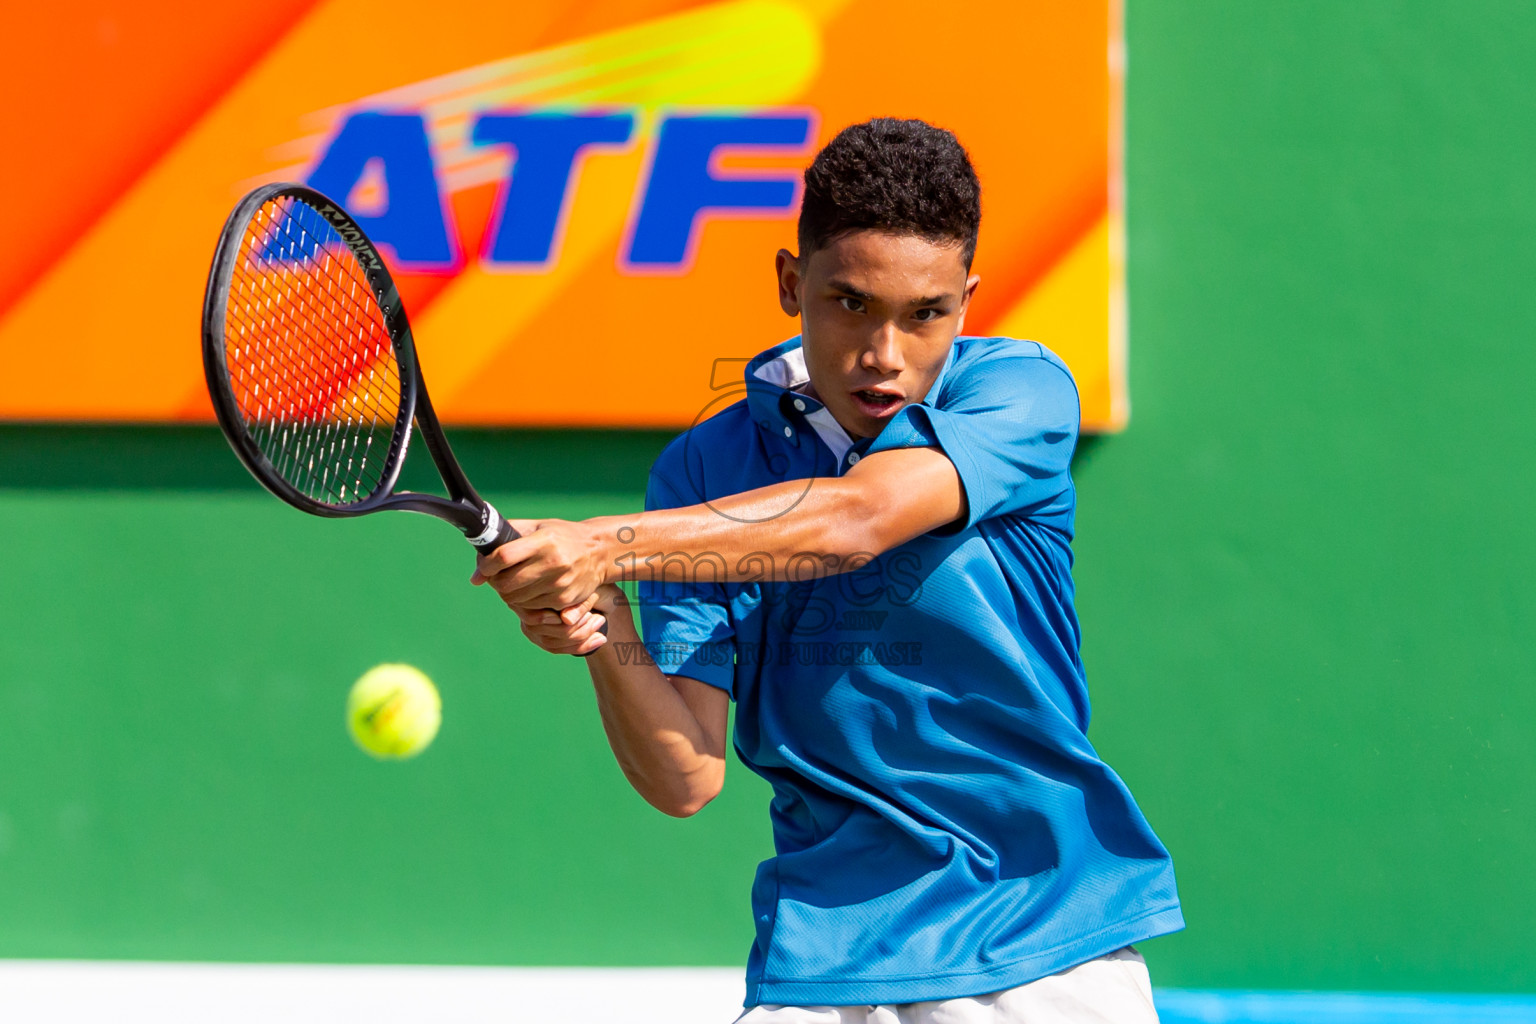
[393, 711]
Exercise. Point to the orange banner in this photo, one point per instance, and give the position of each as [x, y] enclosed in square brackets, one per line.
[581, 201]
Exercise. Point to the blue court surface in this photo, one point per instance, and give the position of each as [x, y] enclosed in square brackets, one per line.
[129, 992]
[1185, 1006]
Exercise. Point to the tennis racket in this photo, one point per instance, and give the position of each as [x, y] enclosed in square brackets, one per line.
[312, 369]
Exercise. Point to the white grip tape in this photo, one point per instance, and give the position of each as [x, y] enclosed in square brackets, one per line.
[492, 525]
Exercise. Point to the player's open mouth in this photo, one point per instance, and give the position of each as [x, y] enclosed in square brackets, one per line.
[878, 404]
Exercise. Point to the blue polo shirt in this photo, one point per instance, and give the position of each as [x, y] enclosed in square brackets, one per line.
[942, 826]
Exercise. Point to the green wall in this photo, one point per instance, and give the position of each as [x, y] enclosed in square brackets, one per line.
[1303, 575]
[1305, 570]
[175, 777]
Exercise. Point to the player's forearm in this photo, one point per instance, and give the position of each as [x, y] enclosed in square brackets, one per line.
[794, 530]
[660, 745]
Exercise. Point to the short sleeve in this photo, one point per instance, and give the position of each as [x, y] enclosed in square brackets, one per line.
[1008, 420]
[687, 626]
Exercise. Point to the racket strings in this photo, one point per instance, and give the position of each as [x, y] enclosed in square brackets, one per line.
[310, 456]
[311, 364]
[323, 450]
[301, 441]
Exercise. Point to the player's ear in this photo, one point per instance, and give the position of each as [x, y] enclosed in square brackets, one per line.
[965, 299]
[786, 266]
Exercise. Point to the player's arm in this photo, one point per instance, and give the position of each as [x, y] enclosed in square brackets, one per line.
[668, 733]
[887, 499]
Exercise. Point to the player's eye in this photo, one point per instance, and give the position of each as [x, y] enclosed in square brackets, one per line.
[928, 315]
[851, 304]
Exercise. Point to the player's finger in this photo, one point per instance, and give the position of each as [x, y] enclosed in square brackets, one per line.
[555, 629]
[537, 565]
[592, 643]
[532, 591]
[589, 638]
[572, 614]
[574, 634]
[535, 616]
[591, 623]
[522, 582]
[532, 599]
[509, 554]
[552, 639]
[565, 640]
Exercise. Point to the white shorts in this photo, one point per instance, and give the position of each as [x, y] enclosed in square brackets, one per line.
[1114, 989]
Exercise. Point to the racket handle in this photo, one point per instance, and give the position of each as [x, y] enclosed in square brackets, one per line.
[498, 530]
[503, 532]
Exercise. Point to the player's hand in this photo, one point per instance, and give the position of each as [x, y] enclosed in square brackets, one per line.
[574, 630]
[554, 564]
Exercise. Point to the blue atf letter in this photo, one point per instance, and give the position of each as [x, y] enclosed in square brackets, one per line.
[681, 186]
[536, 196]
[412, 224]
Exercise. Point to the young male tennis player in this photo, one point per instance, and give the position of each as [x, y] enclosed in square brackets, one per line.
[870, 555]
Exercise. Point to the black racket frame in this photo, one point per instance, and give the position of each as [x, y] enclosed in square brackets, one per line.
[481, 524]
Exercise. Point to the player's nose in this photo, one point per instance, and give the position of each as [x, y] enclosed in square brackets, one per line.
[883, 352]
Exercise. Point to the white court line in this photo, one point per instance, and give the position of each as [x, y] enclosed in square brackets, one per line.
[123, 992]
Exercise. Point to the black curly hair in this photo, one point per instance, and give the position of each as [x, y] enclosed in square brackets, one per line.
[896, 175]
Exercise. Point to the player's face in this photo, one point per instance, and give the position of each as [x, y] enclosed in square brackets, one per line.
[878, 313]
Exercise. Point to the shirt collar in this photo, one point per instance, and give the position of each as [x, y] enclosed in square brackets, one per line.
[772, 378]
